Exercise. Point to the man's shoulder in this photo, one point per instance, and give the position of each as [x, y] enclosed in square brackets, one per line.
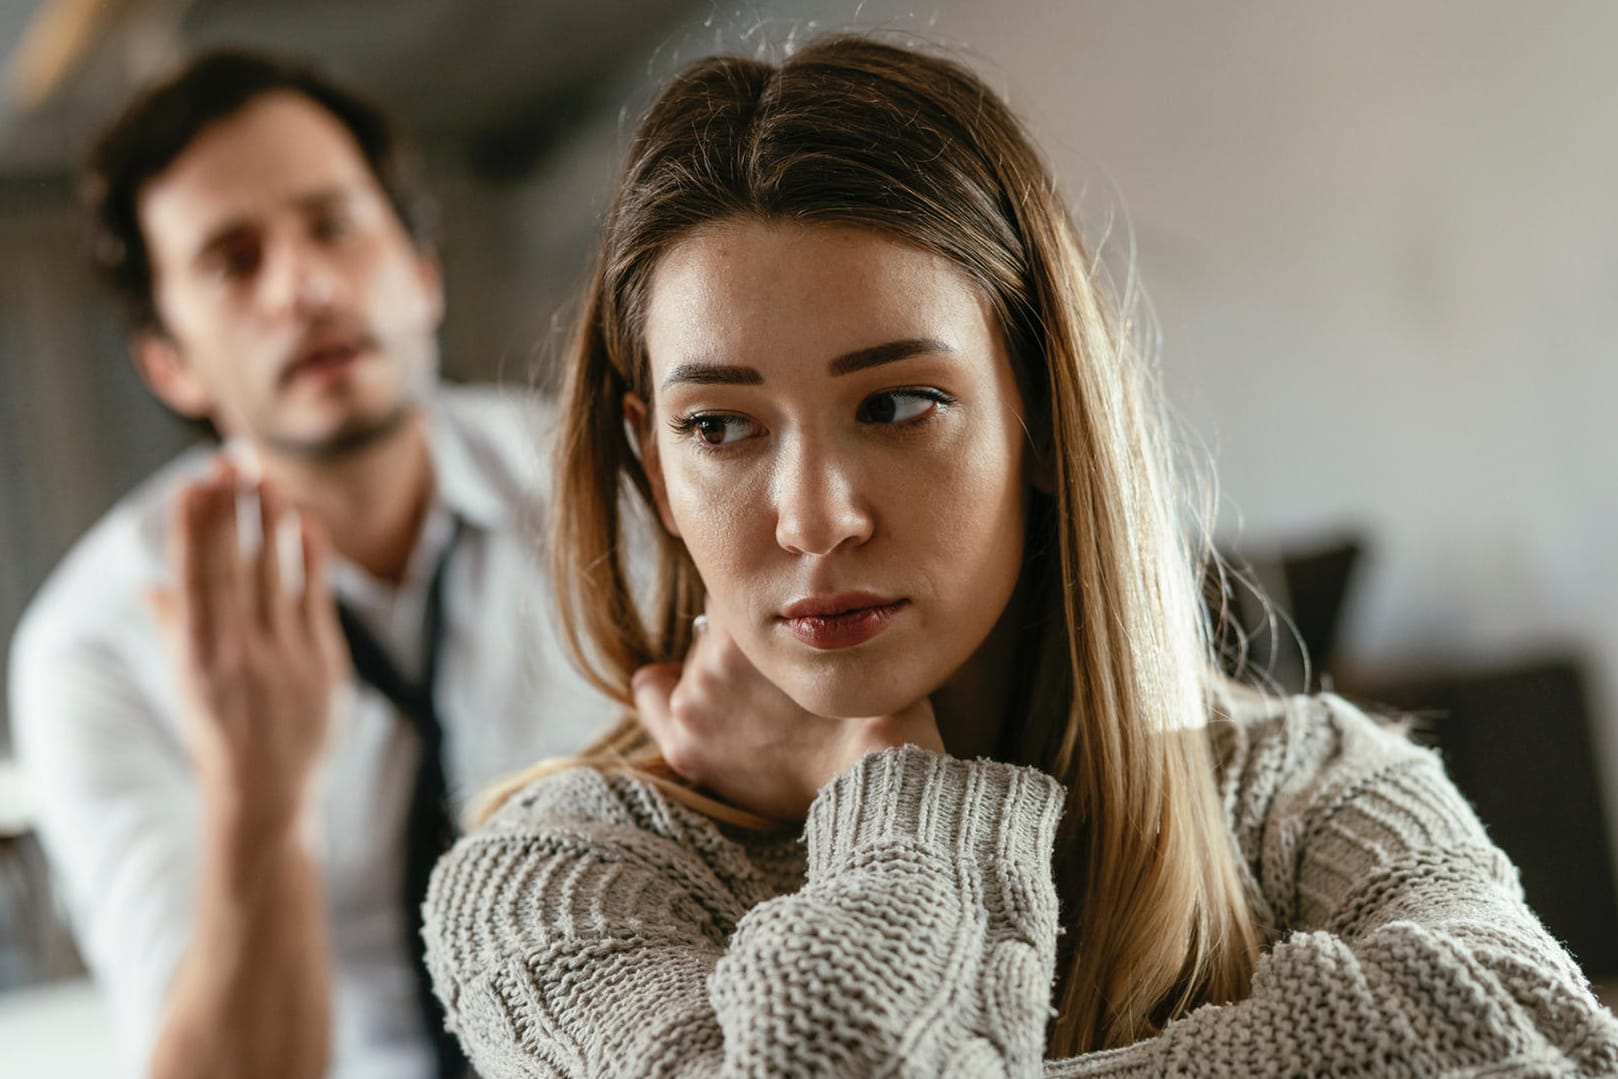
[98, 585]
[508, 418]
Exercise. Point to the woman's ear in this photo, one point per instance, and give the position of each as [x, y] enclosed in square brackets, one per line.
[638, 419]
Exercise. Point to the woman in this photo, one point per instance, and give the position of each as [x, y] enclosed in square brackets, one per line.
[950, 752]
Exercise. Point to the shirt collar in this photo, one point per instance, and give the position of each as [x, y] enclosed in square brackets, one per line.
[459, 484]
[463, 490]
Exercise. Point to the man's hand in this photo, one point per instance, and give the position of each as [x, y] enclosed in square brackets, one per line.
[252, 635]
[725, 727]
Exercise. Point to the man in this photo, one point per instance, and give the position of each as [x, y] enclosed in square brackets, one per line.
[243, 781]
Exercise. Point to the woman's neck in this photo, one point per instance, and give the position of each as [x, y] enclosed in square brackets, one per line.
[971, 708]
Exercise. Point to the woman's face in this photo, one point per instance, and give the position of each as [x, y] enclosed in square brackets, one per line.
[837, 437]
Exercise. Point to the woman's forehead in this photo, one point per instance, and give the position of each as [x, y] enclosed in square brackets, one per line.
[767, 290]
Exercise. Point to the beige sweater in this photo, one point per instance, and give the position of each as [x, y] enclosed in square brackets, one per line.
[594, 927]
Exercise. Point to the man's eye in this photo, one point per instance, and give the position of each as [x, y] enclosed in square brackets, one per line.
[334, 227]
[236, 263]
[899, 406]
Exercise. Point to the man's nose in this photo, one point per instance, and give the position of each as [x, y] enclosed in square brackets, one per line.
[301, 278]
[819, 503]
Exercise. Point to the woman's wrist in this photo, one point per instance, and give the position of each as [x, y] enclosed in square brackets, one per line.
[913, 727]
[917, 797]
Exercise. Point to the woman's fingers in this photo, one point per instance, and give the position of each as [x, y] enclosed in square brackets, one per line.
[714, 658]
[653, 688]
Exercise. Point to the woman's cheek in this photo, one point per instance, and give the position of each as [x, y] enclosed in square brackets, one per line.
[719, 521]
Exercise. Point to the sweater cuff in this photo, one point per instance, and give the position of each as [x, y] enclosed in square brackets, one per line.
[985, 811]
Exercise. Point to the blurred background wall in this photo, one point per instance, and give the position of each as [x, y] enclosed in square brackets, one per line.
[1381, 240]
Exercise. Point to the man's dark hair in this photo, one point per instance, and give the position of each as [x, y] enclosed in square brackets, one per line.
[159, 124]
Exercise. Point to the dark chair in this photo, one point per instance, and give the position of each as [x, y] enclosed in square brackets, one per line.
[1517, 742]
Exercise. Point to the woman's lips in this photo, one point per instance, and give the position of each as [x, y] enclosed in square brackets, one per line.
[843, 621]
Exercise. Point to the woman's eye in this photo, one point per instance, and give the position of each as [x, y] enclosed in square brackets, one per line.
[899, 406]
[715, 429]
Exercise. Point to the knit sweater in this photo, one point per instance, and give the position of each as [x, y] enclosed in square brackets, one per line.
[595, 927]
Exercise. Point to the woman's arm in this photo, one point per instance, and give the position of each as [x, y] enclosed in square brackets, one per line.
[1412, 952]
[601, 930]
[923, 942]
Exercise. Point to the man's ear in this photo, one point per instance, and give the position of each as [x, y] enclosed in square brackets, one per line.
[638, 419]
[430, 273]
[160, 365]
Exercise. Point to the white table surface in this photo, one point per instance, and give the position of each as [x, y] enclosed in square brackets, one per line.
[60, 1030]
[16, 808]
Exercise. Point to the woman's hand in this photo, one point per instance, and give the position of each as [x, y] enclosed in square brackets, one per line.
[725, 727]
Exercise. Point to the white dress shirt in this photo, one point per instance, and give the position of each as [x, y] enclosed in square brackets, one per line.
[95, 720]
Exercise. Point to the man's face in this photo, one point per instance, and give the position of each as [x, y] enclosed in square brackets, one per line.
[296, 312]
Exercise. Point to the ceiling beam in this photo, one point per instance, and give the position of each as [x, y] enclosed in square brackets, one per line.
[62, 33]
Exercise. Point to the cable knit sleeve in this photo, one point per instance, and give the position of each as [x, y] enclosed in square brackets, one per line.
[1409, 949]
[594, 928]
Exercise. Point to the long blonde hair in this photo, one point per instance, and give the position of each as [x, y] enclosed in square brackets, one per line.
[1118, 687]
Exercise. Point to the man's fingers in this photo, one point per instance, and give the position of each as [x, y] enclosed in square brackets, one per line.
[315, 588]
[317, 609]
[289, 553]
[280, 569]
[271, 599]
[165, 609]
[190, 568]
[225, 578]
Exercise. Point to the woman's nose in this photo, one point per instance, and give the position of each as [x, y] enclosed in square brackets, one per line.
[819, 504]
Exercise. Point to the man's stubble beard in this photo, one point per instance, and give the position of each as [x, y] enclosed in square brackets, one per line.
[349, 441]
[361, 432]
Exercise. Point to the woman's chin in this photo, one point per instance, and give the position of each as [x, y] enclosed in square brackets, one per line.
[837, 696]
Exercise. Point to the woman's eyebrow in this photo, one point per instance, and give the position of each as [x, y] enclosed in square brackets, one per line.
[877, 355]
[714, 374]
[726, 374]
